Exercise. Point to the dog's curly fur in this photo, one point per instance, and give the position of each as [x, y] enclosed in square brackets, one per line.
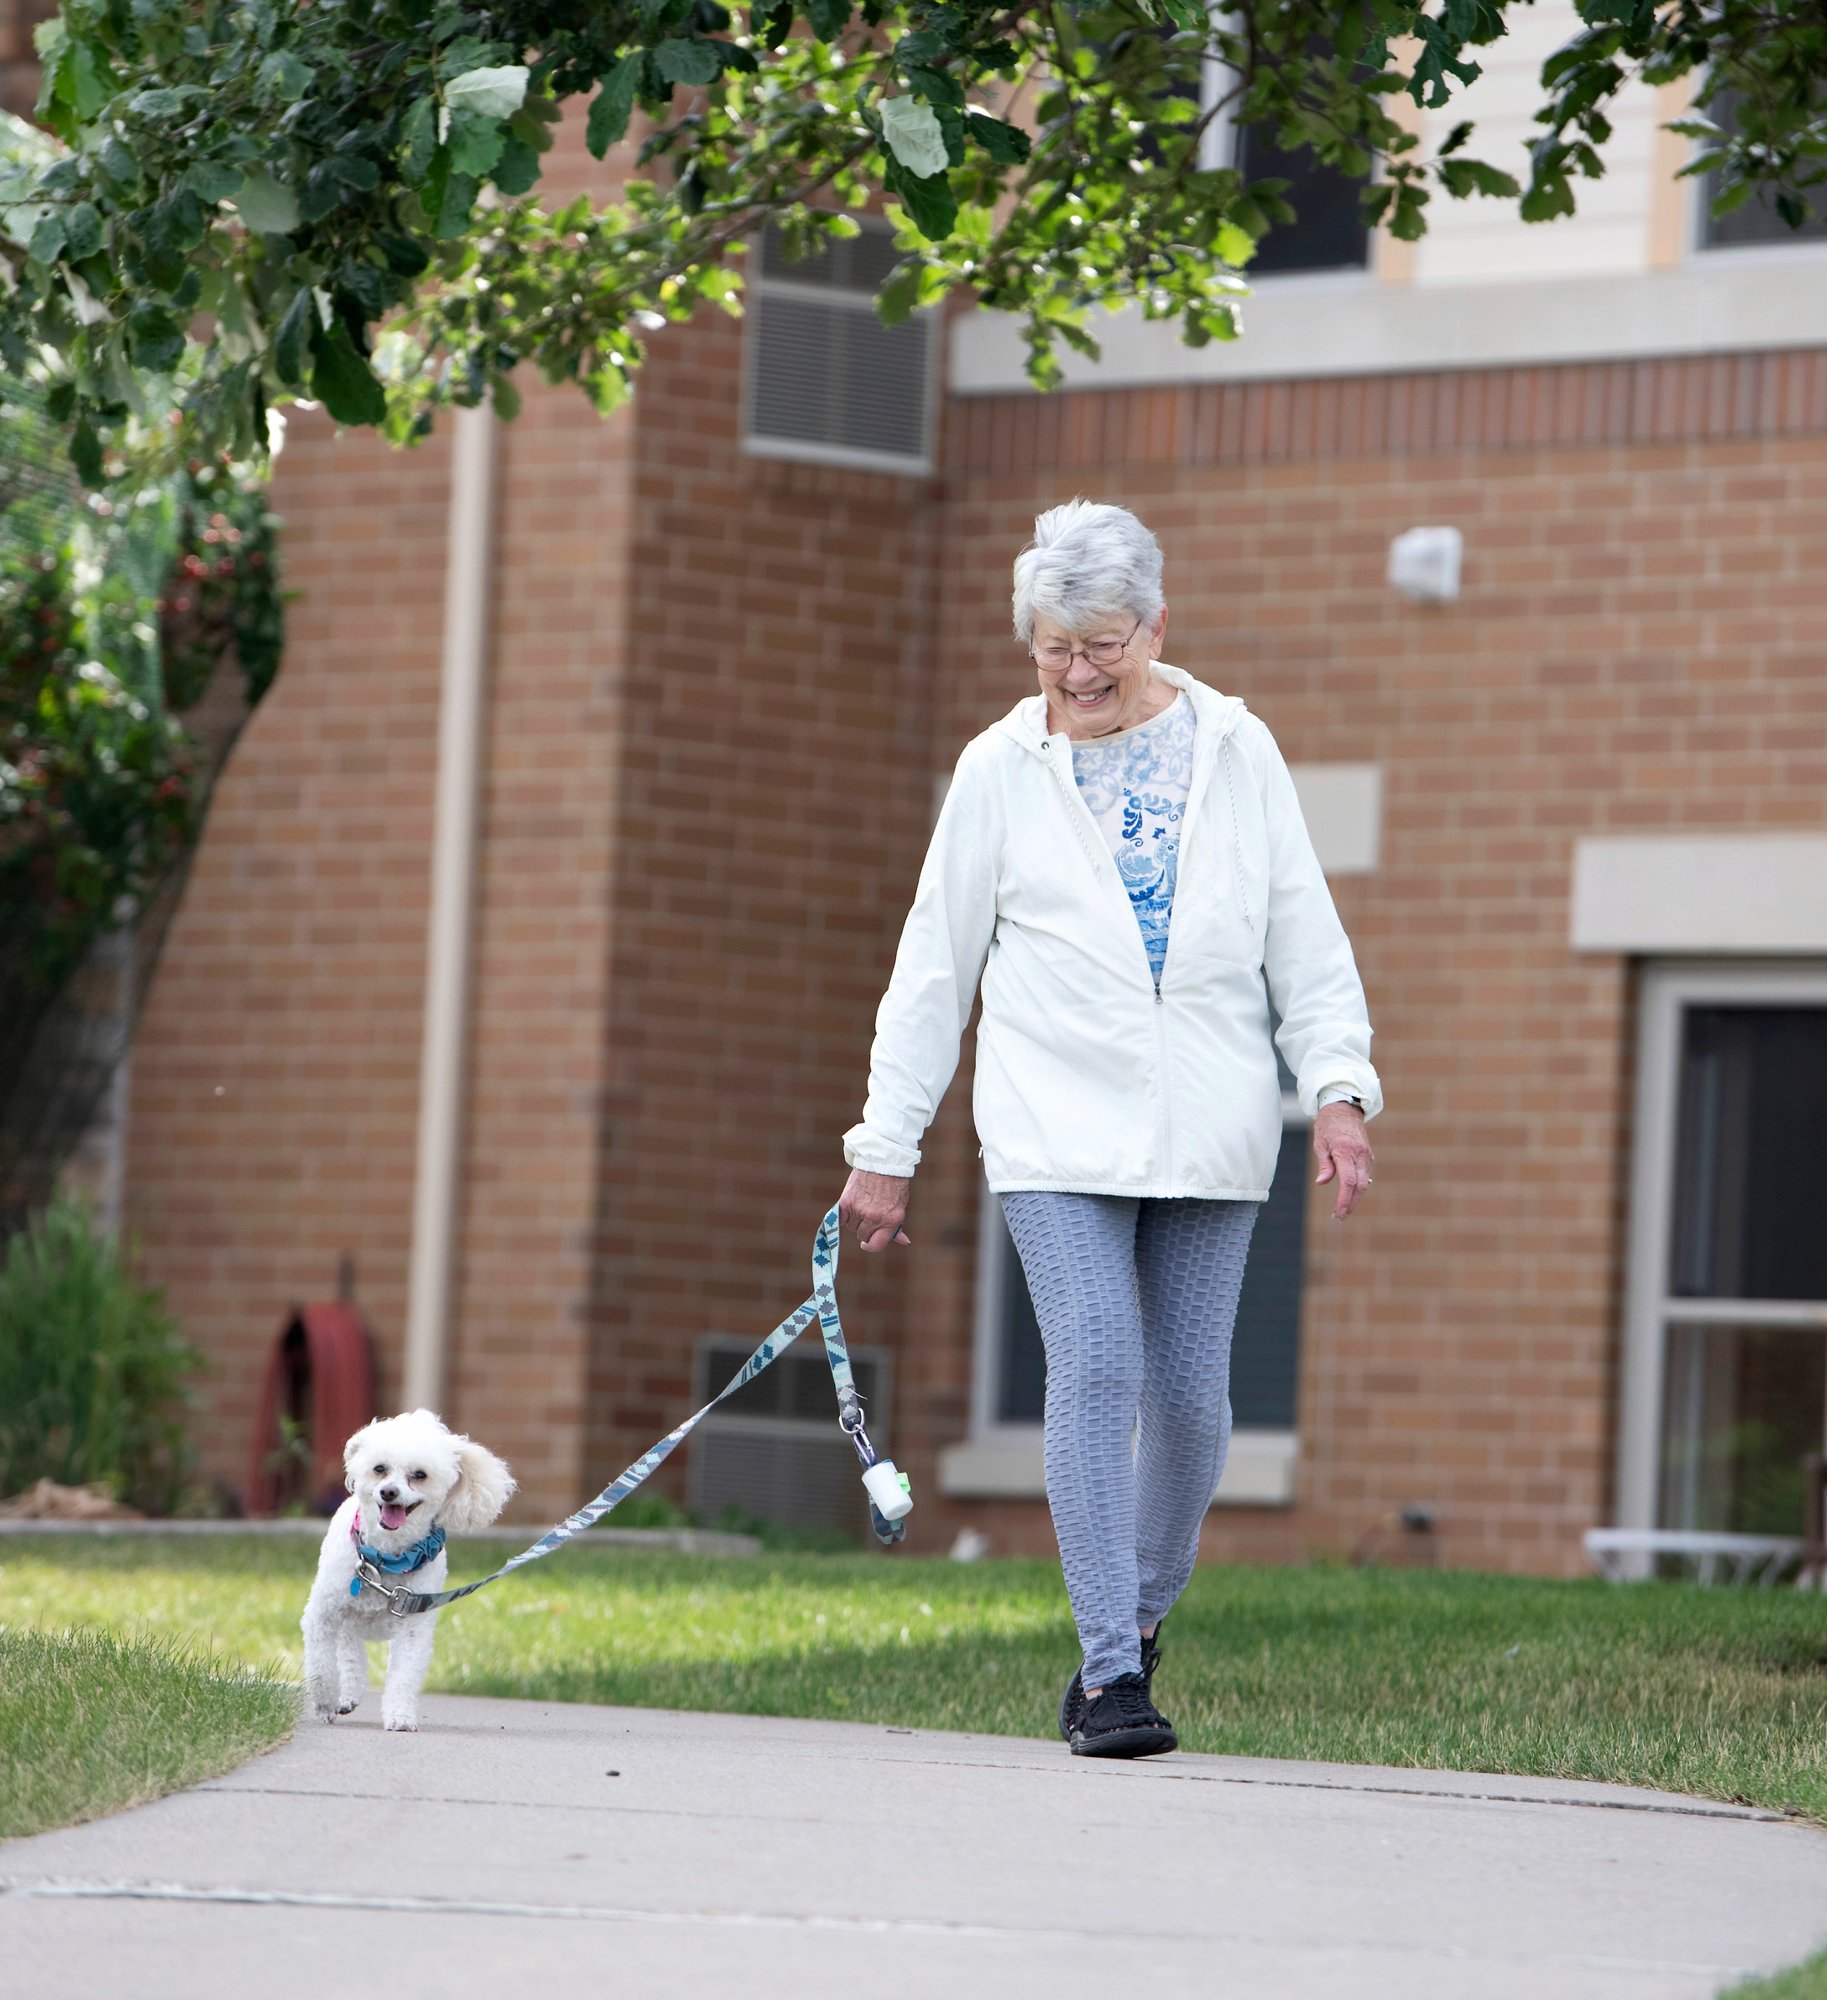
[413, 1467]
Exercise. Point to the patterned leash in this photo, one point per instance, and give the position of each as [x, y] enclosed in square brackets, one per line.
[890, 1497]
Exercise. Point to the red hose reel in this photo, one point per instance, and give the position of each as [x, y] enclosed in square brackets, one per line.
[318, 1391]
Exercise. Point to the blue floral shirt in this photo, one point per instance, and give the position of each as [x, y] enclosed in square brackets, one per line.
[1136, 785]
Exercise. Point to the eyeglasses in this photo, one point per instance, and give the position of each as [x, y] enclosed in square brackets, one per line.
[1100, 653]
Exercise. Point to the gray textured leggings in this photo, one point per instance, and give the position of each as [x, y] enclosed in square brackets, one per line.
[1136, 1300]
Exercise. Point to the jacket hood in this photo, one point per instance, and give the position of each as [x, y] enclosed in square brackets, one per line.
[1218, 714]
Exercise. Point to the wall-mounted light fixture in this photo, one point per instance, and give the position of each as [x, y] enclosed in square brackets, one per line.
[1424, 564]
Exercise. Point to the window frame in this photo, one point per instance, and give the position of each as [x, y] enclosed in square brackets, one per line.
[759, 285]
[1668, 987]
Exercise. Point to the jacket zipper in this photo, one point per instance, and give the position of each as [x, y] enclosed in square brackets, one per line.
[1101, 861]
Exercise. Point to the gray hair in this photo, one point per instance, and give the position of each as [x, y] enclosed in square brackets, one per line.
[1086, 560]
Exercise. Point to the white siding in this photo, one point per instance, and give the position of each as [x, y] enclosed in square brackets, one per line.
[1483, 241]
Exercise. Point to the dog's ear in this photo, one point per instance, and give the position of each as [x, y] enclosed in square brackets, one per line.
[353, 1450]
[484, 1486]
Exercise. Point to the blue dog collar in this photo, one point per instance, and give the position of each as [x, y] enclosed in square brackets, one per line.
[402, 1564]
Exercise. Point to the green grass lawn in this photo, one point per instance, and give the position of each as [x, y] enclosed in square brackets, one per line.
[90, 1724]
[1807, 1981]
[1717, 1692]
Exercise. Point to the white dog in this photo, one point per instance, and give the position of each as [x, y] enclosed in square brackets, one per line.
[412, 1482]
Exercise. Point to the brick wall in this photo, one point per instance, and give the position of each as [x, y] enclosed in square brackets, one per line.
[1641, 644]
[774, 790]
[275, 1085]
[276, 1067]
[18, 59]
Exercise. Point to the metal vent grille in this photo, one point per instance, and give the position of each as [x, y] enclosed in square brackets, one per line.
[774, 1452]
[826, 379]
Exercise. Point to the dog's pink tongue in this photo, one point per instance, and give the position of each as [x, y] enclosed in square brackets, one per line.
[393, 1515]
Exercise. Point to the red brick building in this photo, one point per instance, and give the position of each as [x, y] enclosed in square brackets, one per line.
[1575, 816]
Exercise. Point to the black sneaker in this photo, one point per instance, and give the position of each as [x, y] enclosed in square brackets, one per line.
[1122, 1722]
[1072, 1702]
[1071, 1707]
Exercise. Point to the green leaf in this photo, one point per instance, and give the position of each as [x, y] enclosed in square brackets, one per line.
[475, 143]
[341, 379]
[212, 181]
[85, 453]
[267, 206]
[282, 78]
[1236, 246]
[828, 18]
[458, 198]
[289, 341]
[488, 93]
[1007, 145]
[418, 137]
[82, 229]
[910, 130]
[356, 170]
[688, 62]
[403, 255]
[322, 193]
[1187, 14]
[930, 203]
[530, 127]
[896, 300]
[518, 168]
[155, 340]
[47, 241]
[613, 105]
[118, 163]
[82, 82]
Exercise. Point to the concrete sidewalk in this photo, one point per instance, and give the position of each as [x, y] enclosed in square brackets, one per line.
[513, 1846]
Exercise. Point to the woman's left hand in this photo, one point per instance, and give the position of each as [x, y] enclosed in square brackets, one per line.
[1343, 1147]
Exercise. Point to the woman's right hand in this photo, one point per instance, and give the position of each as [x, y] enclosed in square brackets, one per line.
[875, 1205]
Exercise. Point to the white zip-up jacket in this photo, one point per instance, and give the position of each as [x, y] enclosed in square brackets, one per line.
[1088, 1079]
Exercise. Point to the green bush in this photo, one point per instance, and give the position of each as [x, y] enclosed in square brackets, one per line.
[91, 1366]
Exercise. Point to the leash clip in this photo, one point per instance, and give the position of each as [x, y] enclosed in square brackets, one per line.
[395, 1594]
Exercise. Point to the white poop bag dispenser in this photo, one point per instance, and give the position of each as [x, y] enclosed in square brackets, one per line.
[890, 1490]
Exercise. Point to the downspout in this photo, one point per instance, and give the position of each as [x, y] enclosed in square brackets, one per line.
[445, 1047]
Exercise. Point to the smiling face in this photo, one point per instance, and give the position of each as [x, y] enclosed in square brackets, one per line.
[1106, 683]
[401, 1472]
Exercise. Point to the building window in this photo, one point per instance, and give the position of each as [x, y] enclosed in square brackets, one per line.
[1726, 1346]
[1755, 225]
[1265, 1351]
[823, 378]
[1329, 232]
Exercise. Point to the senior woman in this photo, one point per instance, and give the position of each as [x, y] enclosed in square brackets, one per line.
[1122, 862]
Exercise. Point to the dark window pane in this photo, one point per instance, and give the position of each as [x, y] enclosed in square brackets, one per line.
[1265, 1352]
[1757, 221]
[1752, 1106]
[1744, 1408]
[1330, 234]
[1021, 1393]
